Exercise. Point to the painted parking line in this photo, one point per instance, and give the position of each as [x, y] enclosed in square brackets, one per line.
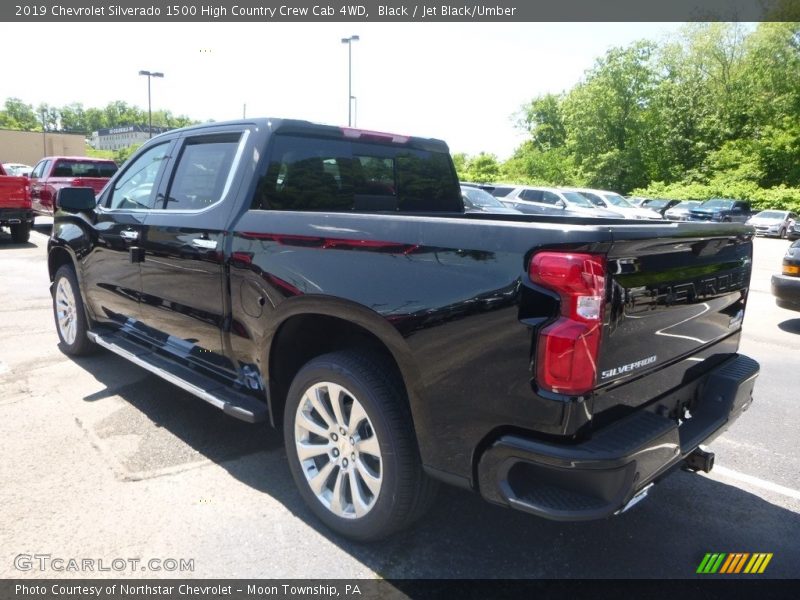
[756, 482]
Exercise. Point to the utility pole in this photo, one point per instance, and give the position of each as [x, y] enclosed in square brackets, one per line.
[349, 41]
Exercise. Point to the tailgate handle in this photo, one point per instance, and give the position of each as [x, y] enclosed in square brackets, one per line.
[204, 244]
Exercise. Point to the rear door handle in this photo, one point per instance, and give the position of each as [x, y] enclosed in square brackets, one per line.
[128, 235]
[204, 244]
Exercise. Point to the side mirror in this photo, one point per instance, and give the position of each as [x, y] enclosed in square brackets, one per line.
[75, 199]
[560, 204]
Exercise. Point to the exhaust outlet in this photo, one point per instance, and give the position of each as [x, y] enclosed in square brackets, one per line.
[700, 460]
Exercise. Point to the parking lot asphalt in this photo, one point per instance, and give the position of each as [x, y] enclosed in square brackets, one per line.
[102, 460]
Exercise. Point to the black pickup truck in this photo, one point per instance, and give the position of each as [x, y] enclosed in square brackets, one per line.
[328, 280]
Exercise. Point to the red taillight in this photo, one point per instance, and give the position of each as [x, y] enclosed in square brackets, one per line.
[566, 355]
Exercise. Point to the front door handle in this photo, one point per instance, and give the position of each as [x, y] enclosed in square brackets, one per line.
[204, 244]
[130, 236]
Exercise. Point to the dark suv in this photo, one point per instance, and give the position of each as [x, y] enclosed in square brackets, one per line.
[721, 209]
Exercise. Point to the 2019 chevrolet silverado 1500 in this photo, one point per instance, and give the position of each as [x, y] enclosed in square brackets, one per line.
[327, 279]
[55, 172]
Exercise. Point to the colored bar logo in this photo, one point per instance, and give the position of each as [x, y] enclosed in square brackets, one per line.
[734, 563]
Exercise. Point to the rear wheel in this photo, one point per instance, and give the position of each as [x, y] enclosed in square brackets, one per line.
[351, 446]
[21, 232]
[69, 313]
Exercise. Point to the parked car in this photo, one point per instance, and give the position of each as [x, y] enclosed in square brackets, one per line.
[773, 222]
[680, 212]
[478, 200]
[15, 206]
[55, 172]
[17, 169]
[786, 286]
[793, 231]
[660, 205]
[554, 201]
[614, 202]
[721, 209]
[396, 340]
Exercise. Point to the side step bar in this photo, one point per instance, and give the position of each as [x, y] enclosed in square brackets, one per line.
[236, 404]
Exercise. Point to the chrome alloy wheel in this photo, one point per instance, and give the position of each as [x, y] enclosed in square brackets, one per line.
[66, 311]
[338, 450]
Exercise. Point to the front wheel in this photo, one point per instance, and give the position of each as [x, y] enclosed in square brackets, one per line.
[782, 234]
[351, 446]
[69, 313]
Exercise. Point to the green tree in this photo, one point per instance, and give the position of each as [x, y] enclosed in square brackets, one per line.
[49, 116]
[18, 115]
[482, 168]
[542, 118]
[73, 118]
[460, 163]
[530, 164]
[607, 118]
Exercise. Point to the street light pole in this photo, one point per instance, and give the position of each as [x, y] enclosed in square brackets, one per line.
[349, 41]
[44, 134]
[150, 75]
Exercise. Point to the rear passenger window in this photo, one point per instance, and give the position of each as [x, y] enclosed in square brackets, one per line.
[315, 174]
[531, 195]
[203, 168]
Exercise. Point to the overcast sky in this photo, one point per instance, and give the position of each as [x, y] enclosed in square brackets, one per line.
[461, 82]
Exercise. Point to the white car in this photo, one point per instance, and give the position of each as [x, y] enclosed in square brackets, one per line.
[773, 222]
[17, 169]
[545, 200]
[615, 202]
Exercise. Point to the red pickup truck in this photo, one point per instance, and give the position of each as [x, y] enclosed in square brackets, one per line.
[55, 172]
[15, 206]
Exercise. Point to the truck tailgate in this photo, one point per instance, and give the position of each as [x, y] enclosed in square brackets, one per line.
[673, 299]
[14, 192]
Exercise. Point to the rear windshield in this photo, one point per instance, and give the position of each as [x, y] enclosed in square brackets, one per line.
[655, 203]
[501, 191]
[317, 174]
[84, 168]
[618, 200]
[481, 198]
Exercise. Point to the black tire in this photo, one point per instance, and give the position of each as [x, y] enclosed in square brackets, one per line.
[66, 282]
[21, 232]
[782, 234]
[405, 490]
